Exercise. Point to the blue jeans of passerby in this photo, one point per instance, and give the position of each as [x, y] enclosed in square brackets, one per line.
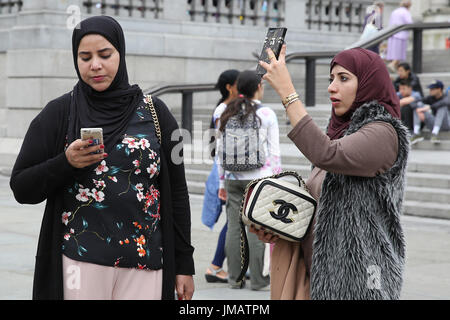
[219, 256]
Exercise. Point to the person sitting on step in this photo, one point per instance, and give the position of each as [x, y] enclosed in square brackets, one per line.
[435, 112]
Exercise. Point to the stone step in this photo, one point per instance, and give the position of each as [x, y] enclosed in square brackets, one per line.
[435, 195]
[434, 162]
[435, 180]
[284, 129]
[410, 207]
[416, 180]
[426, 209]
[206, 111]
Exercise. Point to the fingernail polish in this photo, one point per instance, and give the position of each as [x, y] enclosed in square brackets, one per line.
[102, 147]
[105, 155]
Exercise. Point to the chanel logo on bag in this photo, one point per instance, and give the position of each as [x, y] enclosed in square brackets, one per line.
[283, 211]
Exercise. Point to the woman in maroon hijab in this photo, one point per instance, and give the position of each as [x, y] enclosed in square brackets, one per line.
[355, 248]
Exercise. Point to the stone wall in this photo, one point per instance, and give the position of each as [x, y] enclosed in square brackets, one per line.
[36, 64]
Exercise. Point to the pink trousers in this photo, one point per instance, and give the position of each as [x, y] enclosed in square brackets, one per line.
[88, 281]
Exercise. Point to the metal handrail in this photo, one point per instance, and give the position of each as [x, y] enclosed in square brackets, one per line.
[311, 57]
[187, 91]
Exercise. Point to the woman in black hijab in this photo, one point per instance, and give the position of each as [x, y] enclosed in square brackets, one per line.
[117, 219]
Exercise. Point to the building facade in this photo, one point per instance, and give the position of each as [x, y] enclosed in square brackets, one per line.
[168, 41]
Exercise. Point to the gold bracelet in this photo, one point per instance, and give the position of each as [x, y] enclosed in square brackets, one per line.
[289, 99]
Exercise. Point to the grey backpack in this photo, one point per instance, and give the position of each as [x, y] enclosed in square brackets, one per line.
[242, 148]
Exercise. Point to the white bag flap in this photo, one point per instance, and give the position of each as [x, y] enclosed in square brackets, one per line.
[280, 206]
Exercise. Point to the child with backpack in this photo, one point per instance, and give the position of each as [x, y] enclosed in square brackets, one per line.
[247, 149]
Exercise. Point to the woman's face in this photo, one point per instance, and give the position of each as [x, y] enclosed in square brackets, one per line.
[98, 61]
[402, 73]
[342, 89]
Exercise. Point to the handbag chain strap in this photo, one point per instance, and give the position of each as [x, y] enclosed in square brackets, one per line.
[243, 238]
[149, 101]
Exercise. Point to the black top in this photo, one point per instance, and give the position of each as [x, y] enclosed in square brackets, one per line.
[111, 215]
[42, 170]
[414, 80]
[436, 104]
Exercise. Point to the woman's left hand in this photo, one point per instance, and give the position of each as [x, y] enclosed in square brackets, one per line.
[184, 285]
[277, 73]
[263, 235]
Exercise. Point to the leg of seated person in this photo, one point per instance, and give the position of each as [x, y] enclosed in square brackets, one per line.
[407, 116]
[417, 123]
[440, 120]
[429, 119]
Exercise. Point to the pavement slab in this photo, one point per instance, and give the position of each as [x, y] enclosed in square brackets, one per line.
[426, 271]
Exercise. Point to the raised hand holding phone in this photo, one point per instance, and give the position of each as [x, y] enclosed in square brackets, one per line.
[274, 40]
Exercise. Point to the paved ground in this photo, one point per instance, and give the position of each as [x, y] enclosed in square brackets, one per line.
[427, 270]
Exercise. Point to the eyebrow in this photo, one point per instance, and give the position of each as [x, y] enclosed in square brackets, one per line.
[340, 73]
[99, 51]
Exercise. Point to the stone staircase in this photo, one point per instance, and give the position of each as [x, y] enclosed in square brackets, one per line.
[428, 174]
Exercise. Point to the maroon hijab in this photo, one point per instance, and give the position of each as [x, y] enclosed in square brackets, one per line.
[374, 83]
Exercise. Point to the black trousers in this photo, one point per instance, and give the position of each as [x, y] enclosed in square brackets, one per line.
[407, 116]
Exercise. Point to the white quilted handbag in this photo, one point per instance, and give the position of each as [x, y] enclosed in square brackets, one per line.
[279, 206]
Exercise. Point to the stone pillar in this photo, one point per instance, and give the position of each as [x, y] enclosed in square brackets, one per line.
[295, 14]
[38, 60]
[175, 10]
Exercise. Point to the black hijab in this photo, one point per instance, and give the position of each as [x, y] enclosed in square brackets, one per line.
[113, 108]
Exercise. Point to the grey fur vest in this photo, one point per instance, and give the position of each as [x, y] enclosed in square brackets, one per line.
[359, 247]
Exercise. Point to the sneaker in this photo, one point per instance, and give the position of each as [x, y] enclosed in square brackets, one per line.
[415, 139]
[435, 139]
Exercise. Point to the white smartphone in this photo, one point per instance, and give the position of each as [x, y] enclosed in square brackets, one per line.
[94, 134]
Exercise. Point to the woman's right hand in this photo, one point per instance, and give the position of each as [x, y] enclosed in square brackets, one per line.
[222, 194]
[79, 155]
[277, 73]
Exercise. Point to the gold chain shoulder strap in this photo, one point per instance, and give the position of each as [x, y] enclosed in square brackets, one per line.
[149, 101]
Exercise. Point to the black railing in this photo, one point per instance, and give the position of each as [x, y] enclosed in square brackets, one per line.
[311, 57]
[244, 12]
[187, 92]
[333, 15]
[145, 8]
[8, 6]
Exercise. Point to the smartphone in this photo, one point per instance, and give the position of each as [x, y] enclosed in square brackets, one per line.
[94, 134]
[274, 40]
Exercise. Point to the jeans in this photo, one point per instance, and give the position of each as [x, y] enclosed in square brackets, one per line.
[441, 119]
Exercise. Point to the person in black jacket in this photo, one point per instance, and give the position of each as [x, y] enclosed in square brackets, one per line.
[404, 73]
[117, 219]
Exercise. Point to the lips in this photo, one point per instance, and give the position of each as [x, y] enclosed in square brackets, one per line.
[98, 78]
[334, 101]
